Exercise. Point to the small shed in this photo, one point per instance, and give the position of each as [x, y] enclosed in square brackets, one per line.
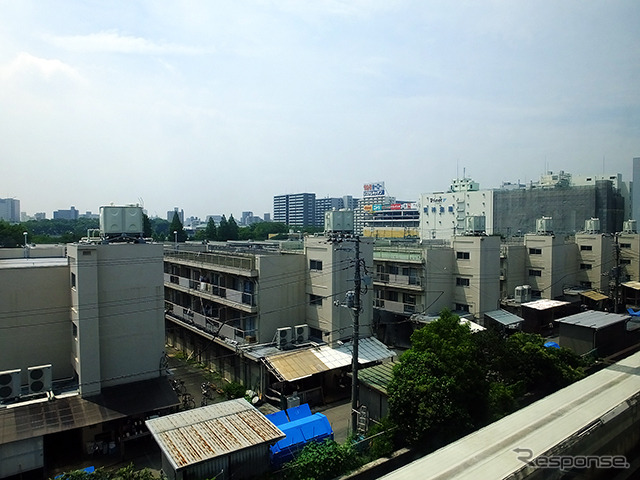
[373, 382]
[541, 315]
[601, 332]
[503, 321]
[224, 440]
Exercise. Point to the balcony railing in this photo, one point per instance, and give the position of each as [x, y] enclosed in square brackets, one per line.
[235, 296]
[401, 280]
[210, 325]
[396, 307]
[246, 263]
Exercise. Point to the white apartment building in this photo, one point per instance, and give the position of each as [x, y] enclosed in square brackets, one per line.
[87, 321]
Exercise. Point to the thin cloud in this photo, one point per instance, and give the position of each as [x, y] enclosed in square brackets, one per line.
[114, 42]
[25, 63]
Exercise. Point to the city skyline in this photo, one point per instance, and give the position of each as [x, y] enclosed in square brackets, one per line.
[217, 108]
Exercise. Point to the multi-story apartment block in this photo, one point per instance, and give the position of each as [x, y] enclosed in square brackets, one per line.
[297, 209]
[596, 262]
[628, 253]
[424, 277]
[10, 210]
[268, 314]
[81, 353]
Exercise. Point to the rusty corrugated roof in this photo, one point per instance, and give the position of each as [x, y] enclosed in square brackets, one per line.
[200, 434]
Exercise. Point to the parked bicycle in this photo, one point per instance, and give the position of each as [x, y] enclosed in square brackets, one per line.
[187, 401]
[178, 386]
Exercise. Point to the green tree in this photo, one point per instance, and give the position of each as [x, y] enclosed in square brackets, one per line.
[11, 236]
[223, 229]
[322, 461]
[233, 228]
[438, 391]
[147, 231]
[176, 226]
[211, 232]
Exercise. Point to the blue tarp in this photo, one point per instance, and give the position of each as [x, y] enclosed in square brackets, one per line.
[301, 411]
[298, 433]
[278, 418]
[634, 313]
[551, 345]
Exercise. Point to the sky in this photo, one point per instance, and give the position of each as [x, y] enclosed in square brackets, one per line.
[217, 106]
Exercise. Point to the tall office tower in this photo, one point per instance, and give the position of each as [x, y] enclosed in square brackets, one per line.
[297, 209]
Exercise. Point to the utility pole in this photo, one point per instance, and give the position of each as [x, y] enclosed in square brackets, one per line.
[356, 335]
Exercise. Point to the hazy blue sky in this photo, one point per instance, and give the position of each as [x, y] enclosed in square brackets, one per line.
[217, 106]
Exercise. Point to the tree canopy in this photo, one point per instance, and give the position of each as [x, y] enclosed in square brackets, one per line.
[452, 381]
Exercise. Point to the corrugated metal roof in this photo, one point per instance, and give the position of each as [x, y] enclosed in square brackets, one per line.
[594, 319]
[303, 363]
[200, 434]
[296, 365]
[504, 317]
[378, 376]
[634, 285]
[593, 295]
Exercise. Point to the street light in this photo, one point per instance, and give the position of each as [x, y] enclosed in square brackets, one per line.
[175, 239]
[25, 239]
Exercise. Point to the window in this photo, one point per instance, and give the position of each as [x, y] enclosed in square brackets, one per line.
[409, 299]
[462, 282]
[315, 264]
[393, 269]
[462, 255]
[586, 248]
[462, 307]
[73, 280]
[315, 300]
[625, 261]
[585, 266]
[535, 251]
[625, 245]
[392, 296]
[535, 273]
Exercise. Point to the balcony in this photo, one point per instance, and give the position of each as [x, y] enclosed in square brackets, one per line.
[237, 263]
[411, 282]
[395, 307]
[210, 325]
[247, 302]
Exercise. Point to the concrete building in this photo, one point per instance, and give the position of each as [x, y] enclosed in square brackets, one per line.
[513, 211]
[10, 210]
[71, 214]
[297, 209]
[81, 358]
[271, 315]
[175, 211]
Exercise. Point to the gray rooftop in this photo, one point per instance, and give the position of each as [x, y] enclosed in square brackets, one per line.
[33, 262]
[594, 319]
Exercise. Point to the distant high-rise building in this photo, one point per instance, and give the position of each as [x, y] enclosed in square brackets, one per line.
[298, 209]
[324, 204]
[267, 217]
[635, 195]
[71, 214]
[9, 209]
[175, 210]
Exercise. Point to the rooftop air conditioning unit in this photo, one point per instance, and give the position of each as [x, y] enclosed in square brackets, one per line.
[10, 384]
[592, 226]
[301, 333]
[518, 296]
[283, 338]
[629, 226]
[544, 226]
[39, 379]
[526, 293]
[475, 225]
